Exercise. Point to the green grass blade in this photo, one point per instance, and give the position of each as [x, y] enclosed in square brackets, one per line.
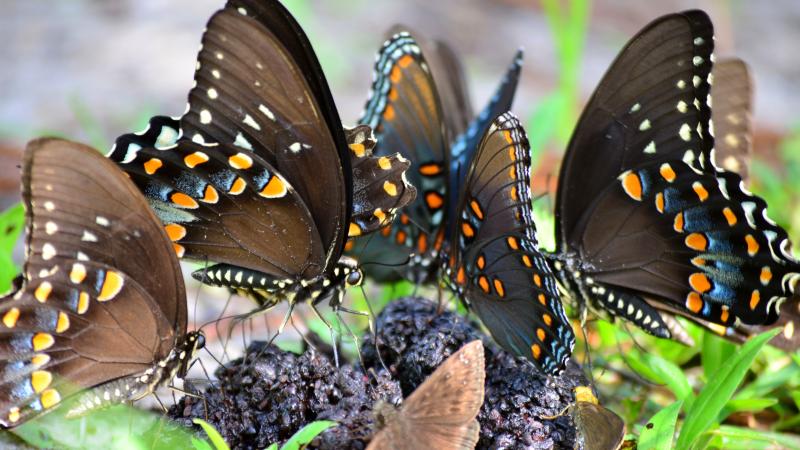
[720, 388]
[716, 352]
[213, 434]
[737, 438]
[659, 436]
[307, 434]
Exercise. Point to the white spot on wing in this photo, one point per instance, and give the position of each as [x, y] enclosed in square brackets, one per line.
[252, 123]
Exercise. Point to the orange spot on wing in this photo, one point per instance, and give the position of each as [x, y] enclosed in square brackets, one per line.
[183, 200]
[152, 165]
[700, 190]
[353, 230]
[542, 299]
[699, 282]
[729, 216]
[677, 224]
[358, 149]
[400, 238]
[536, 351]
[527, 261]
[461, 276]
[238, 186]
[724, 315]
[430, 169]
[467, 230]
[632, 185]
[422, 243]
[10, 317]
[696, 241]
[210, 195]
[537, 280]
[83, 302]
[393, 94]
[175, 232]
[62, 324]
[694, 302]
[434, 200]
[483, 282]
[766, 275]
[499, 288]
[752, 245]
[507, 136]
[512, 242]
[390, 188]
[192, 160]
[541, 334]
[755, 298]
[514, 195]
[349, 245]
[547, 319]
[179, 249]
[240, 161]
[40, 380]
[481, 262]
[49, 398]
[386, 231]
[275, 188]
[42, 341]
[667, 173]
[476, 209]
[43, 291]
[660, 202]
[396, 74]
[112, 284]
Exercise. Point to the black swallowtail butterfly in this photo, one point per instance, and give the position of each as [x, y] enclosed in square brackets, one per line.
[420, 107]
[647, 225]
[494, 264]
[258, 175]
[102, 304]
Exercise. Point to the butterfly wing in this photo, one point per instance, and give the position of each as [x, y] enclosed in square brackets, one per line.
[494, 262]
[641, 204]
[466, 142]
[636, 113]
[103, 296]
[600, 428]
[733, 102]
[260, 87]
[221, 203]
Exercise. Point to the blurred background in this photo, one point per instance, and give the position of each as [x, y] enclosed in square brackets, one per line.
[91, 70]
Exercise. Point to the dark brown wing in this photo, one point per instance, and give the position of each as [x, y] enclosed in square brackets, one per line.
[260, 87]
[103, 295]
[732, 91]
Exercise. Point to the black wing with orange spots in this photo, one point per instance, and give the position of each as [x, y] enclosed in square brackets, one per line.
[102, 297]
[645, 220]
[259, 175]
[495, 266]
[405, 112]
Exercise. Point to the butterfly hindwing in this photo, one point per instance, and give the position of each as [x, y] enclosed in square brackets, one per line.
[732, 92]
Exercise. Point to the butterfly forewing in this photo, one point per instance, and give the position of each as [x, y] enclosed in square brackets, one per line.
[494, 262]
[732, 92]
[102, 297]
[441, 412]
[652, 105]
[253, 92]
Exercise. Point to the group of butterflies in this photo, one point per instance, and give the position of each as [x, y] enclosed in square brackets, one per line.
[260, 181]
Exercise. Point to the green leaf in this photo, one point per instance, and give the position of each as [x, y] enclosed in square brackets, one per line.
[660, 430]
[307, 434]
[272, 447]
[735, 438]
[709, 403]
[661, 371]
[213, 434]
[12, 222]
[716, 352]
[199, 444]
[748, 404]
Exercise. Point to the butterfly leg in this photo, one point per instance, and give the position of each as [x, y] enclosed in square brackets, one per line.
[332, 331]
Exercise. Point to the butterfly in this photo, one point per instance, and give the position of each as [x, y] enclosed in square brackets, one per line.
[419, 106]
[102, 304]
[494, 264]
[441, 413]
[259, 176]
[599, 428]
[647, 226]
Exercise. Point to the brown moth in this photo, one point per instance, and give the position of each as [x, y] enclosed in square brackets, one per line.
[441, 412]
[599, 428]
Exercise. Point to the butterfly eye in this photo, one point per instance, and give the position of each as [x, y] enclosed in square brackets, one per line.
[201, 341]
[354, 278]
